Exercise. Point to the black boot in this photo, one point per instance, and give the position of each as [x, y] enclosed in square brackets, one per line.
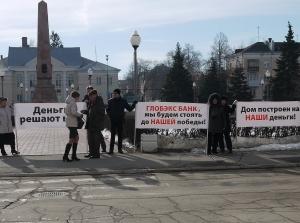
[3, 150]
[13, 150]
[67, 150]
[74, 149]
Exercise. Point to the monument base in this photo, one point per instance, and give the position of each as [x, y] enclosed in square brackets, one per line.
[44, 92]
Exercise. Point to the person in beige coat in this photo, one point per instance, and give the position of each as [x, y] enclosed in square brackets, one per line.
[7, 135]
[72, 124]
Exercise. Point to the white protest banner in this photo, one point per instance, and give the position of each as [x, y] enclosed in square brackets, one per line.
[42, 115]
[169, 115]
[268, 114]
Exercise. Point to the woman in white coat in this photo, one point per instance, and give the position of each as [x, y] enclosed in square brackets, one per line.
[7, 135]
[72, 124]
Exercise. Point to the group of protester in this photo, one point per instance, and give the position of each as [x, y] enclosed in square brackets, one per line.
[219, 126]
[95, 118]
[219, 123]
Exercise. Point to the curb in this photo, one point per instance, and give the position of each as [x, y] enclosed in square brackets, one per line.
[146, 171]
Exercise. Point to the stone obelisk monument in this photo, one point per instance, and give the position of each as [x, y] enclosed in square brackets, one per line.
[44, 89]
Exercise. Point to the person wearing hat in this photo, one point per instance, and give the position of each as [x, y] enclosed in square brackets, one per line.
[7, 135]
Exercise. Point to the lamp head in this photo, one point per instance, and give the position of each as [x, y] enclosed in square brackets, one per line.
[135, 40]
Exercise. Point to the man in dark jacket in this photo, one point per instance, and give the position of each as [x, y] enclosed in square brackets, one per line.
[216, 123]
[95, 124]
[86, 97]
[115, 111]
[86, 100]
[227, 129]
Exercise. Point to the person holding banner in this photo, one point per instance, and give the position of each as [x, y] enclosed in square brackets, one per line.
[7, 135]
[227, 129]
[216, 123]
[115, 111]
[72, 124]
[95, 124]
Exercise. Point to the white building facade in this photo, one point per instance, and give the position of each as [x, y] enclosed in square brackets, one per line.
[258, 62]
[69, 71]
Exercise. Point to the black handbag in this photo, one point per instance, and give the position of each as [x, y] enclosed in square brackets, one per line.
[80, 122]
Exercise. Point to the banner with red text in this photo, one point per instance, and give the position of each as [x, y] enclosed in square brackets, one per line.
[42, 115]
[169, 115]
[268, 114]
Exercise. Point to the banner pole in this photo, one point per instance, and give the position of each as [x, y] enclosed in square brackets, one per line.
[17, 142]
[134, 134]
[236, 128]
[206, 149]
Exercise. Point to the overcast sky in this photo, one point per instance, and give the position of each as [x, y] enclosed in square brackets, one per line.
[108, 24]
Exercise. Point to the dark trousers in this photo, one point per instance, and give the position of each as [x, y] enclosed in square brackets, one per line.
[7, 139]
[227, 140]
[95, 139]
[116, 127]
[91, 139]
[213, 140]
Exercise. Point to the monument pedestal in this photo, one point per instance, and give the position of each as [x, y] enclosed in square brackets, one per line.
[44, 92]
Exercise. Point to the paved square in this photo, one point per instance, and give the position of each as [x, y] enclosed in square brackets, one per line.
[46, 141]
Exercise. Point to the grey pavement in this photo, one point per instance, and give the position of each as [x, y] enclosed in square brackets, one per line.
[236, 196]
[42, 149]
[142, 163]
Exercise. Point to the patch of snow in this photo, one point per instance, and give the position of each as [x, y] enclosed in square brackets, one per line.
[273, 147]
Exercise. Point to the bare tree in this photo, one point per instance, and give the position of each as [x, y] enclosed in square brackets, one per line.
[55, 40]
[193, 61]
[220, 50]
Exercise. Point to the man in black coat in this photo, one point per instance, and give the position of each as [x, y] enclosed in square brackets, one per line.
[115, 111]
[216, 124]
[86, 100]
[95, 124]
[228, 110]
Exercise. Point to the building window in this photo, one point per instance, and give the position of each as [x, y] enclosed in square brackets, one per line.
[253, 65]
[20, 78]
[32, 79]
[98, 80]
[58, 80]
[20, 98]
[253, 92]
[252, 76]
[266, 64]
[70, 79]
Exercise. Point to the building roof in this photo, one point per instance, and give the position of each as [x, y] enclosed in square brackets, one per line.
[262, 47]
[87, 63]
[19, 56]
[70, 56]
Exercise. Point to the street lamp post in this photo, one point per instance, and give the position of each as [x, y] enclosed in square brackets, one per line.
[90, 73]
[268, 76]
[194, 91]
[135, 42]
[262, 83]
[26, 94]
[21, 87]
[2, 79]
[107, 84]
